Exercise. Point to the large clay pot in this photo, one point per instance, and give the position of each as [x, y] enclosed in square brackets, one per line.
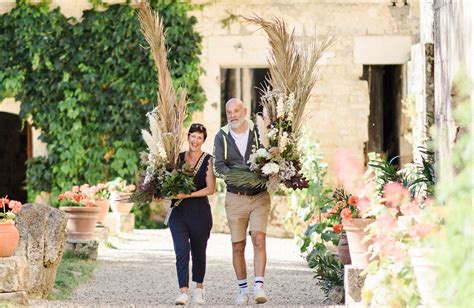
[425, 275]
[103, 205]
[343, 249]
[120, 203]
[81, 222]
[358, 248]
[9, 238]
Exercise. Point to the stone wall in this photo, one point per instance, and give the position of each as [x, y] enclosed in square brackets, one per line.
[368, 32]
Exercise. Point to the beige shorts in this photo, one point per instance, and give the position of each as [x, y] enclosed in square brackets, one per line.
[243, 211]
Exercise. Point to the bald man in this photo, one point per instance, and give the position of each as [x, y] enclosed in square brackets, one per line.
[245, 208]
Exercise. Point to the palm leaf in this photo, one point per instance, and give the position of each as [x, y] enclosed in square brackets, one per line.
[241, 176]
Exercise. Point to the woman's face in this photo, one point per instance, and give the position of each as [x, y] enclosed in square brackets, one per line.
[195, 141]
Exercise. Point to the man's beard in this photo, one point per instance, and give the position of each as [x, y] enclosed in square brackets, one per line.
[237, 124]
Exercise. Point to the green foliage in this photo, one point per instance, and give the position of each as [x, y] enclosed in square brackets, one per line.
[453, 254]
[327, 268]
[72, 272]
[178, 182]
[88, 86]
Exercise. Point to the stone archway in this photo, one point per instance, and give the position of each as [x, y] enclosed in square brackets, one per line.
[15, 149]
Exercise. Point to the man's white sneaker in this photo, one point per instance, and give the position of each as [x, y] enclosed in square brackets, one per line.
[182, 299]
[242, 299]
[260, 294]
[198, 296]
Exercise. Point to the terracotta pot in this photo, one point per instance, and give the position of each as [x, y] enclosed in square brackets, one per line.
[425, 274]
[103, 205]
[358, 249]
[119, 203]
[343, 249]
[81, 222]
[9, 238]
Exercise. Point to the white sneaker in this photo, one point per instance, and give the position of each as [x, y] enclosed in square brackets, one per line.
[241, 299]
[198, 296]
[260, 294]
[182, 299]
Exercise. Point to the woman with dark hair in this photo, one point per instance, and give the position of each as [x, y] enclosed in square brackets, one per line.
[191, 220]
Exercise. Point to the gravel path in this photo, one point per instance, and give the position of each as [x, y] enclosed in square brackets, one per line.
[141, 272]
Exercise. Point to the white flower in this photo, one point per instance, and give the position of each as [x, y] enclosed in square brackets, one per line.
[283, 142]
[270, 168]
[280, 108]
[262, 153]
[272, 133]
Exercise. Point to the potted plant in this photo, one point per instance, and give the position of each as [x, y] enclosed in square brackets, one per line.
[82, 212]
[120, 193]
[8, 232]
[102, 194]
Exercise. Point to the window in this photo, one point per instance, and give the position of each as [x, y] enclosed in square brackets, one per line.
[244, 83]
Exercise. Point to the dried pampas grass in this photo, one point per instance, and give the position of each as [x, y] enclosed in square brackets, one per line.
[166, 121]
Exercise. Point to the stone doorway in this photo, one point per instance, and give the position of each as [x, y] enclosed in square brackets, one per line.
[244, 83]
[385, 91]
[15, 149]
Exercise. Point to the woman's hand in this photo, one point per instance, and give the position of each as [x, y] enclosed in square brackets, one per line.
[182, 196]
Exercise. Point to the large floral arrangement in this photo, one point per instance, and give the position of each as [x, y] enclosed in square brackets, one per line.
[292, 78]
[10, 208]
[163, 175]
[83, 196]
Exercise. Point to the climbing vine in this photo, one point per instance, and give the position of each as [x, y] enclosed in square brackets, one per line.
[88, 84]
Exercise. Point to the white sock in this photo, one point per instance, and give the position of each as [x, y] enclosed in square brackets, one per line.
[259, 281]
[243, 286]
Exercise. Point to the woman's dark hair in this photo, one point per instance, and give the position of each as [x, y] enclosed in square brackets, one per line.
[197, 128]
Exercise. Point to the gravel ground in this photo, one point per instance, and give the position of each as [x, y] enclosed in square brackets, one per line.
[141, 272]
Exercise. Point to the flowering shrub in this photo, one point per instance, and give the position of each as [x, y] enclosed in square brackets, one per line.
[83, 195]
[10, 208]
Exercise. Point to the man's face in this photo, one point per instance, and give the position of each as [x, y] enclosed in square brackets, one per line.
[236, 113]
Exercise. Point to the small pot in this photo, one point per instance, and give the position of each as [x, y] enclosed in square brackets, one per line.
[9, 239]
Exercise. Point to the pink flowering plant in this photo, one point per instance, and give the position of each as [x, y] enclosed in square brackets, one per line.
[10, 208]
[83, 196]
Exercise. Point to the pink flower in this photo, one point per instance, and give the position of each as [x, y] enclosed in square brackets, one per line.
[363, 205]
[15, 206]
[4, 201]
[75, 189]
[346, 214]
[409, 208]
[395, 194]
[337, 228]
[90, 203]
[386, 224]
[421, 230]
[348, 169]
[353, 200]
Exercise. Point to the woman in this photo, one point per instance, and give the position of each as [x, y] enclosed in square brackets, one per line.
[191, 221]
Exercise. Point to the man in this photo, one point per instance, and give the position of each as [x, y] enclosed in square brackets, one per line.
[245, 208]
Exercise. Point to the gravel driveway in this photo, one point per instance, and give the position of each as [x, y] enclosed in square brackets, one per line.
[141, 272]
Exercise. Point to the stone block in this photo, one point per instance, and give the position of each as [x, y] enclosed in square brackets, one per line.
[353, 284]
[101, 235]
[15, 299]
[83, 249]
[119, 223]
[13, 274]
[42, 239]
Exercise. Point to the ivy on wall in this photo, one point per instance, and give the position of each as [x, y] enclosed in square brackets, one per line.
[88, 85]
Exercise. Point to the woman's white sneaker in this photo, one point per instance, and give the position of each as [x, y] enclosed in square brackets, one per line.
[198, 296]
[260, 294]
[182, 299]
[241, 299]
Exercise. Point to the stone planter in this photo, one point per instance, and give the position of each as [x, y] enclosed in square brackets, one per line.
[425, 275]
[119, 203]
[10, 237]
[103, 205]
[81, 222]
[358, 249]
